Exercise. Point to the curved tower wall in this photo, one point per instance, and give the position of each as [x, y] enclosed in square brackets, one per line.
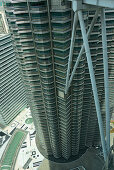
[65, 124]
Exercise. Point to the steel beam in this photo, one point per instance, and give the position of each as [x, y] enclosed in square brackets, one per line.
[82, 50]
[106, 82]
[100, 3]
[93, 82]
[75, 22]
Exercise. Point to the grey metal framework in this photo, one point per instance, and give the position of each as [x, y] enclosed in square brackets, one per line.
[65, 111]
[78, 6]
[12, 94]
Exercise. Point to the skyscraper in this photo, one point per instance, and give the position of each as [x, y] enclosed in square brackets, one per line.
[66, 124]
[12, 94]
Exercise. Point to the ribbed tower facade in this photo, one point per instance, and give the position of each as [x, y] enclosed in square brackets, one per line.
[12, 93]
[66, 124]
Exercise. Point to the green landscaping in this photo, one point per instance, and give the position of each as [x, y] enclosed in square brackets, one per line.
[5, 167]
[29, 121]
[11, 151]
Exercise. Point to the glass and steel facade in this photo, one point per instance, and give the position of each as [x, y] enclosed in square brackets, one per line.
[66, 124]
[12, 94]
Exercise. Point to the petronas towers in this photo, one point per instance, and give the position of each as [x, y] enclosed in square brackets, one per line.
[65, 124]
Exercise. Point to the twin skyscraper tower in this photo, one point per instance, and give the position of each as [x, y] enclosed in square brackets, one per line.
[66, 124]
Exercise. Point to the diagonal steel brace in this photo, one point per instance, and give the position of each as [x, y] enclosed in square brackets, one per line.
[69, 80]
[93, 82]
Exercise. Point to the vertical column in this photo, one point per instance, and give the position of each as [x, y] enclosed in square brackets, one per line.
[106, 82]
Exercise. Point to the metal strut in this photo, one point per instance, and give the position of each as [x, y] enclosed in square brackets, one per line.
[71, 48]
[106, 82]
[69, 80]
[93, 82]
